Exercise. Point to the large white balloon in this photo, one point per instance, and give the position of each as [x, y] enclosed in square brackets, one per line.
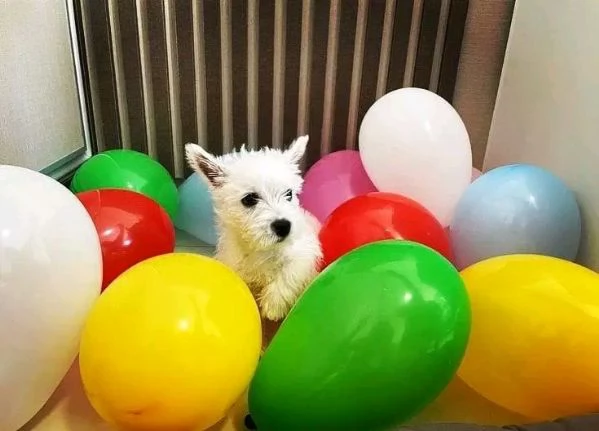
[50, 275]
[414, 143]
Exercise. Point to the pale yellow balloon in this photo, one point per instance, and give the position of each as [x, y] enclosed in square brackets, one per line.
[534, 344]
[171, 344]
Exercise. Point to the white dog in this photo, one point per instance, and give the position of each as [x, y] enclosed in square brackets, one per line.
[264, 234]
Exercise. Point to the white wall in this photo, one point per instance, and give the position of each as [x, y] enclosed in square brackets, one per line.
[40, 117]
[547, 110]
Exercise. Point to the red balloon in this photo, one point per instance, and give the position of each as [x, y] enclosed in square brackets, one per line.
[378, 216]
[131, 227]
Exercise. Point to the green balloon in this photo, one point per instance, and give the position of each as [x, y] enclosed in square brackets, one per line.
[128, 169]
[375, 338]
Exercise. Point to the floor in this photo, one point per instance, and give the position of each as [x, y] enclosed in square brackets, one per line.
[190, 244]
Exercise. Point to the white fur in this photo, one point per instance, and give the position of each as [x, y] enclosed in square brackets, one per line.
[276, 270]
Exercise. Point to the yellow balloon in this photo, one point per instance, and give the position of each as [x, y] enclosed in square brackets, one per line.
[534, 344]
[171, 344]
[69, 410]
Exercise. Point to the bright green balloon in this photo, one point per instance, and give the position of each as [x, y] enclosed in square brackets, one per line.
[127, 169]
[375, 338]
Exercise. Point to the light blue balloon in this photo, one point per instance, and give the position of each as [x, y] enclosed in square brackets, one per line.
[515, 209]
[196, 210]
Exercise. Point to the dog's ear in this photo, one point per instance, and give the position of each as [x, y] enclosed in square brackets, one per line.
[205, 164]
[297, 149]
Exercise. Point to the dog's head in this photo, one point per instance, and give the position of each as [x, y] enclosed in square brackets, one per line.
[254, 192]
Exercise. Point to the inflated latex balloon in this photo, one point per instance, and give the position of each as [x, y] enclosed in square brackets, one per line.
[373, 340]
[131, 227]
[196, 210]
[475, 174]
[516, 209]
[414, 143]
[170, 345]
[535, 326]
[68, 409]
[50, 275]
[334, 179]
[128, 169]
[377, 216]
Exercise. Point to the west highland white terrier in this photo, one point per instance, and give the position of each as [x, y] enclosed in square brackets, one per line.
[264, 234]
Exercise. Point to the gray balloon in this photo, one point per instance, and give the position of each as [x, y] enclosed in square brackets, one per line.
[515, 209]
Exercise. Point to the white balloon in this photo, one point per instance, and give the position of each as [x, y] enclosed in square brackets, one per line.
[414, 143]
[50, 275]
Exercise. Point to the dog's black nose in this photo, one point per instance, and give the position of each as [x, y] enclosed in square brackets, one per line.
[281, 227]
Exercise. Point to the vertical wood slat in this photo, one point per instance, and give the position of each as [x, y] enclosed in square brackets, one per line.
[439, 45]
[132, 73]
[155, 20]
[303, 109]
[239, 40]
[119, 73]
[173, 86]
[213, 68]
[293, 30]
[187, 76]
[199, 59]
[413, 43]
[278, 93]
[107, 122]
[253, 75]
[146, 77]
[356, 79]
[330, 78]
[226, 74]
[381, 84]
[456, 22]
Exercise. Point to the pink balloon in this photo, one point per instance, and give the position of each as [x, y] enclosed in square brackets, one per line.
[334, 179]
[475, 174]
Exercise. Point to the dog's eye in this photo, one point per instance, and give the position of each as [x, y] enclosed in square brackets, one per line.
[250, 200]
[289, 194]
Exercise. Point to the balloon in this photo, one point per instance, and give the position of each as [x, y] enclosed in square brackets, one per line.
[171, 345]
[516, 209]
[475, 174]
[196, 211]
[131, 227]
[373, 340]
[459, 403]
[414, 143]
[69, 410]
[377, 216]
[334, 179]
[50, 275]
[535, 326]
[128, 169]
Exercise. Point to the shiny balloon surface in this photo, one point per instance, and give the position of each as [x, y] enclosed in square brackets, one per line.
[535, 325]
[131, 228]
[374, 339]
